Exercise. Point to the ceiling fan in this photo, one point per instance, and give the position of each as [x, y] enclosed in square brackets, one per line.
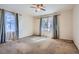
[38, 7]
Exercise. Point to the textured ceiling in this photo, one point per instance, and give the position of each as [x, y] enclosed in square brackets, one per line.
[25, 8]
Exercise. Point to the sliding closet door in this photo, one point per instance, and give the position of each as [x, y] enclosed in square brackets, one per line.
[10, 25]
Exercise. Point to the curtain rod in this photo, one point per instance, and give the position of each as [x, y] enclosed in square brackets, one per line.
[48, 15]
[11, 12]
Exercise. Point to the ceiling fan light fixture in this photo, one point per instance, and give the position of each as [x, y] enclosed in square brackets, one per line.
[38, 7]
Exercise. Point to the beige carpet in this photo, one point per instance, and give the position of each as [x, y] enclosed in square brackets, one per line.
[38, 45]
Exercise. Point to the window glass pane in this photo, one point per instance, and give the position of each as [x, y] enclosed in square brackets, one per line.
[44, 24]
[50, 23]
[47, 24]
[10, 22]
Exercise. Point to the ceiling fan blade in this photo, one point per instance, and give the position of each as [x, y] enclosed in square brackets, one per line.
[33, 4]
[43, 9]
[32, 7]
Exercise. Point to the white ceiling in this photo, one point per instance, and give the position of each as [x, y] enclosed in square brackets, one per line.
[25, 8]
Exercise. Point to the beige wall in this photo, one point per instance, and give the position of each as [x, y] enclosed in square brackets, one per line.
[65, 24]
[76, 25]
[25, 25]
[25, 20]
[36, 26]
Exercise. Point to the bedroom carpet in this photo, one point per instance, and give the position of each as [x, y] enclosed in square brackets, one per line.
[38, 45]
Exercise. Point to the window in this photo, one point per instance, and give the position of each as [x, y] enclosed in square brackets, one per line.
[47, 24]
[10, 22]
[44, 24]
